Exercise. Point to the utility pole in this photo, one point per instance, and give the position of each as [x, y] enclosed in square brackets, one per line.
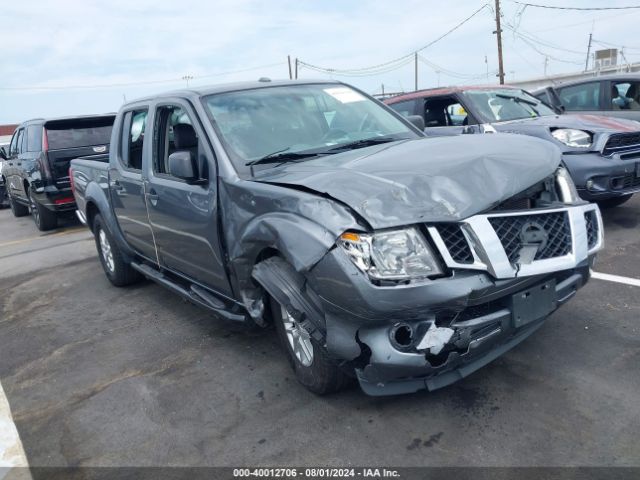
[415, 56]
[289, 63]
[586, 63]
[498, 33]
[546, 63]
[187, 78]
[296, 75]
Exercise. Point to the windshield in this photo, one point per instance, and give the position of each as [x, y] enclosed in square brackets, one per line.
[504, 104]
[296, 121]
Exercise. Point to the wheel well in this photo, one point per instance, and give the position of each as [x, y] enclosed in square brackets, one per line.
[92, 211]
[266, 253]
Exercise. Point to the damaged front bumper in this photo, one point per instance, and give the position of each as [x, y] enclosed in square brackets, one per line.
[405, 338]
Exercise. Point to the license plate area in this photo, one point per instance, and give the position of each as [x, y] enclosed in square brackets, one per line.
[534, 303]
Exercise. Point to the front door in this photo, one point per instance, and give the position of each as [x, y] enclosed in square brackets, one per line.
[125, 182]
[184, 214]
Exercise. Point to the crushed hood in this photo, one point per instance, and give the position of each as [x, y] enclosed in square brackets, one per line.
[424, 180]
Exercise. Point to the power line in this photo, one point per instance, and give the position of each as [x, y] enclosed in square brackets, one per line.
[396, 62]
[145, 82]
[584, 9]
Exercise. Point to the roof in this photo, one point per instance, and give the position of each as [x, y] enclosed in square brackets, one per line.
[431, 92]
[613, 77]
[233, 87]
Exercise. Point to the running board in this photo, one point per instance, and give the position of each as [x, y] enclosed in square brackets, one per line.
[196, 294]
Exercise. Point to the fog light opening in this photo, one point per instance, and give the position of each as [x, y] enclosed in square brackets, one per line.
[401, 336]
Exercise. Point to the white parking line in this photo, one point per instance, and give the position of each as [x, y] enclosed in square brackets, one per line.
[11, 451]
[615, 278]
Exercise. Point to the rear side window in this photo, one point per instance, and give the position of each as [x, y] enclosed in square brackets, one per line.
[34, 138]
[132, 140]
[581, 97]
[74, 134]
[406, 108]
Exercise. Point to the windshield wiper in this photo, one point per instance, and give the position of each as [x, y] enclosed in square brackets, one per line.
[518, 99]
[366, 142]
[282, 156]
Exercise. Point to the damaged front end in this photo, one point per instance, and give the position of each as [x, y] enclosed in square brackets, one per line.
[465, 293]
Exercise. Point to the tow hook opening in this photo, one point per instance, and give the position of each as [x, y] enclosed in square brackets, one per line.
[401, 336]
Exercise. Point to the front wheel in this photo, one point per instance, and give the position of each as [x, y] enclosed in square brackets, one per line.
[118, 271]
[309, 358]
[615, 201]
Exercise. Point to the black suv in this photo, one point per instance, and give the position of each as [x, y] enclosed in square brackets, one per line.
[36, 165]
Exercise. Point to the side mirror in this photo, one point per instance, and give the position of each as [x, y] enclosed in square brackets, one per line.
[417, 121]
[3, 153]
[182, 165]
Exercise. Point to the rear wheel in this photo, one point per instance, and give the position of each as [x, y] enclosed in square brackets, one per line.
[118, 271]
[18, 209]
[615, 201]
[44, 218]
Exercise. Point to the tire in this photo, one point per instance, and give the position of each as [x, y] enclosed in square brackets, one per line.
[18, 209]
[615, 201]
[313, 367]
[44, 218]
[117, 270]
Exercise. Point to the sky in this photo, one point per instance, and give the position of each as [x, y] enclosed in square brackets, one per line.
[66, 57]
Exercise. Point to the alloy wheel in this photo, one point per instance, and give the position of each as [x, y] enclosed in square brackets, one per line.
[299, 338]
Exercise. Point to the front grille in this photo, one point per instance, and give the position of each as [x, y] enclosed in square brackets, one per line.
[523, 203]
[622, 142]
[592, 228]
[555, 225]
[456, 243]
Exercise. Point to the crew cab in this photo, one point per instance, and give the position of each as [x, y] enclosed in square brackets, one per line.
[602, 154]
[35, 168]
[375, 252]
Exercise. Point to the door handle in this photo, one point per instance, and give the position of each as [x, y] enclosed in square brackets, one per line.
[11, 164]
[153, 197]
[115, 184]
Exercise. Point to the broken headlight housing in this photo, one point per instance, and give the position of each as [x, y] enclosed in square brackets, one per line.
[572, 137]
[566, 187]
[391, 255]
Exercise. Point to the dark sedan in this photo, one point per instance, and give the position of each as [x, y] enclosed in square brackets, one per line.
[601, 153]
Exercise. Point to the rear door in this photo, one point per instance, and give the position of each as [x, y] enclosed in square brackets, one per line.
[125, 181]
[184, 216]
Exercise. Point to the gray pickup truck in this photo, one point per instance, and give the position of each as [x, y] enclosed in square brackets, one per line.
[376, 253]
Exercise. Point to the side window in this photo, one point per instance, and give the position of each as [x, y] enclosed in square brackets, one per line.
[405, 108]
[581, 97]
[444, 112]
[21, 142]
[133, 130]
[174, 132]
[625, 95]
[34, 138]
[13, 148]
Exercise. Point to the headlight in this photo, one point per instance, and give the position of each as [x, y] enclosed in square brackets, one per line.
[391, 255]
[572, 137]
[566, 187]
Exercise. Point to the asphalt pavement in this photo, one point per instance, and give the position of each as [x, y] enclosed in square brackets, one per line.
[101, 376]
